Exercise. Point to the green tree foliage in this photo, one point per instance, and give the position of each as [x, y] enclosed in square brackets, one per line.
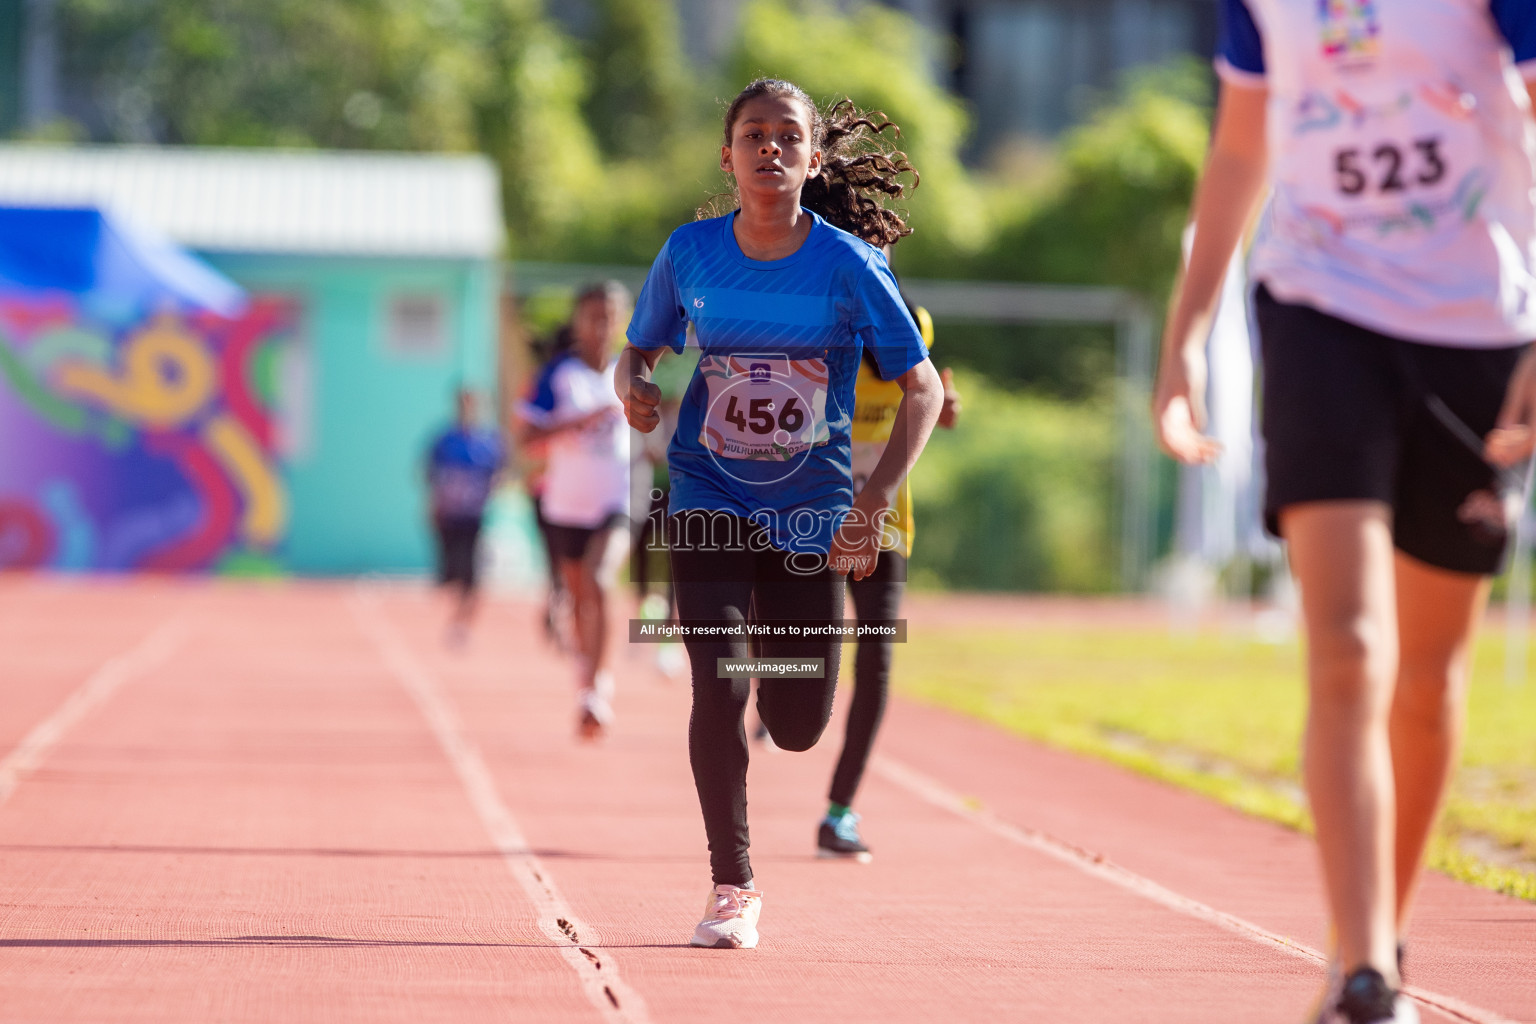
[1109, 211]
[641, 98]
[346, 73]
[604, 150]
[1073, 362]
[1121, 196]
[488, 75]
[1023, 488]
[529, 119]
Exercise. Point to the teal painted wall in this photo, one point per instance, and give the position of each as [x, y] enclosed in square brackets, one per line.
[354, 470]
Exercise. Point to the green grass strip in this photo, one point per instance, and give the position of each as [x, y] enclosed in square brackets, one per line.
[1221, 714]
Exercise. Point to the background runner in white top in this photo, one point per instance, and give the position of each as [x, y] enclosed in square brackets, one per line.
[588, 476]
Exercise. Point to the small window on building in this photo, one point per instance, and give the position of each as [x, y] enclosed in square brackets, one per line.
[293, 402]
[418, 325]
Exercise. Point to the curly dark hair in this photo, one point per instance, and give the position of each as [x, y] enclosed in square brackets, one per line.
[859, 169]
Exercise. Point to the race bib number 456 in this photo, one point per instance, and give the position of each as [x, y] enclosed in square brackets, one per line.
[770, 407]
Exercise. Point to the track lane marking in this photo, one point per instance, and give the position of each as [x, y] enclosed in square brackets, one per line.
[933, 792]
[575, 940]
[138, 660]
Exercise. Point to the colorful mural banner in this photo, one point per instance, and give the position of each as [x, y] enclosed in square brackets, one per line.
[138, 437]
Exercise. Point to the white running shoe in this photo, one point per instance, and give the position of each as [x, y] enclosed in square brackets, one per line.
[730, 919]
[594, 715]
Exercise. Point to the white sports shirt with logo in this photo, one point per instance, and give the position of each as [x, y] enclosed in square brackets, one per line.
[1400, 150]
[587, 479]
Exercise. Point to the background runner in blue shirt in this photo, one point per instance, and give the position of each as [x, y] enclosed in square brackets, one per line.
[783, 301]
[461, 467]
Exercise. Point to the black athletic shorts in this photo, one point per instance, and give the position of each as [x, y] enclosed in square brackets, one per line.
[458, 546]
[1352, 414]
[569, 543]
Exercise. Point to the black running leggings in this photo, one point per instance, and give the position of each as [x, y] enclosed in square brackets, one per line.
[721, 585]
[876, 598]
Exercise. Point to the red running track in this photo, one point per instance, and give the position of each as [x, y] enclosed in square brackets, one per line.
[287, 802]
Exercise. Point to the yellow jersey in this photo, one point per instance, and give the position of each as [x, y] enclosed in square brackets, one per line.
[874, 413]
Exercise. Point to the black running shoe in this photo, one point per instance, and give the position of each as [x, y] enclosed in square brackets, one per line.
[839, 838]
[1366, 998]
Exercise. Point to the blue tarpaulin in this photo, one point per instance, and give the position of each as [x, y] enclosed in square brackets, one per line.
[88, 252]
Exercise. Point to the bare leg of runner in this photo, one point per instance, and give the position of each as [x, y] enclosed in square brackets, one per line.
[1437, 616]
[571, 573]
[592, 583]
[464, 609]
[1342, 556]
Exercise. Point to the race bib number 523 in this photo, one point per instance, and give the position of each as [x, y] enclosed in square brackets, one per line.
[769, 407]
[1398, 165]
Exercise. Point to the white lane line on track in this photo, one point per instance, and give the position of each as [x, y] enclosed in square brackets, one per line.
[933, 792]
[149, 653]
[575, 940]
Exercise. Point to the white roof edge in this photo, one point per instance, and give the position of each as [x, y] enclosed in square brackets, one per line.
[359, 203]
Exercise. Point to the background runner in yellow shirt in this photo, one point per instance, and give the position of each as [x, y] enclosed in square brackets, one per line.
[876, 597]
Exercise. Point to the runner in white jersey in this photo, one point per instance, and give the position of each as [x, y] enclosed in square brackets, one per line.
[586, 486]
[1393, 266]
[1400, 164]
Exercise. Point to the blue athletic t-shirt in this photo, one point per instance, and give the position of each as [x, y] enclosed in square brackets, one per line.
[461, 466]
[764, 427]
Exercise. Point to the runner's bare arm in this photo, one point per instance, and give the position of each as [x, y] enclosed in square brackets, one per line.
[949, 411]
[632, 383]
[1231, 185]
[1513, 439]
[922, 398]
[856, 546]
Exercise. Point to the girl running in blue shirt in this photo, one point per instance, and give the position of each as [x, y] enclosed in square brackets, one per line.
[784, 300]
